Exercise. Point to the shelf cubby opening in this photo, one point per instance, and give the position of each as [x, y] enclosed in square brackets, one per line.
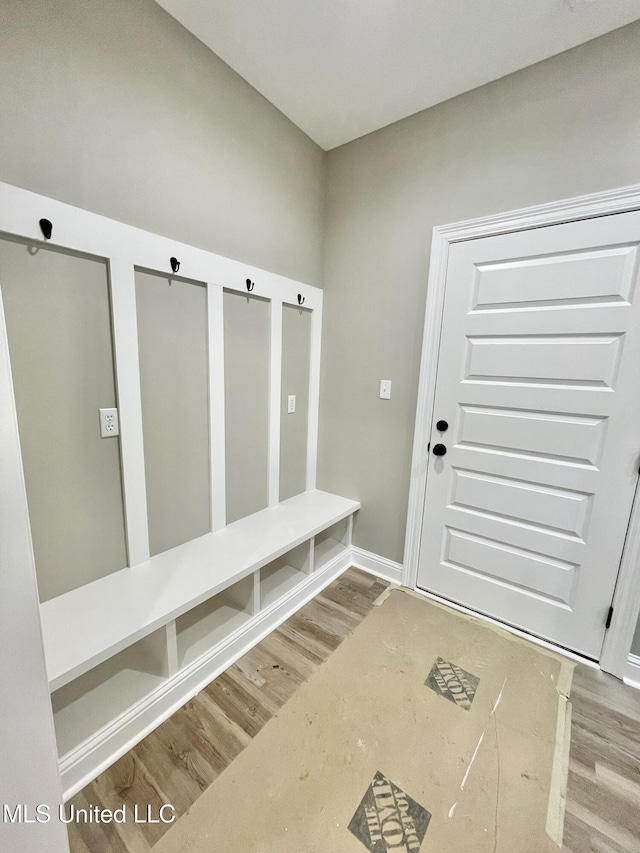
[87, 704]
[283, 574]
[330, 542]
[213, 621]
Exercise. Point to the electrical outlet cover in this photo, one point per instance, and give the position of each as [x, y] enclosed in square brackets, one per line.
[109, 425]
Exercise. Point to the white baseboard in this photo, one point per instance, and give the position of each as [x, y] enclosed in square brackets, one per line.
[93, 756]
[97, 753]
[376, 565]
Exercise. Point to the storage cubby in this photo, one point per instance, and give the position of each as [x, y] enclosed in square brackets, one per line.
[331, 542]
[208, 595]
[282, 575]
[88, 703]
[211, 498]
[211, 622]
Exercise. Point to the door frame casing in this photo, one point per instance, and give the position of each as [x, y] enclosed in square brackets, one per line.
[626, 601]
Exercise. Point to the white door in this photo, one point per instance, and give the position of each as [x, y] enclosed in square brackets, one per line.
[539, 382]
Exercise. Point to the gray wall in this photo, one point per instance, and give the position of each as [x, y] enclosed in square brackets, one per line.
[116, 108]
[174, 384]
[247, 348]
[567, 126]
[296, 368]
[59, 328]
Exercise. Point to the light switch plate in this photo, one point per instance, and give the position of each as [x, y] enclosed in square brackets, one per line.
[291, 404]
[385, 389]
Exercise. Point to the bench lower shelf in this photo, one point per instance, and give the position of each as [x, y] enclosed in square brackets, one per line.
[206, 626]
[88, 704]
[104, 713]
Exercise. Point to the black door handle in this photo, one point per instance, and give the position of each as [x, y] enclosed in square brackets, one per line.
[442, 426]
[439, 450]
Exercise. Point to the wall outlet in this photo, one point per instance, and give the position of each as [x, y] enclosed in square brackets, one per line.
[109, 425]
[291, 404]
[385, 389]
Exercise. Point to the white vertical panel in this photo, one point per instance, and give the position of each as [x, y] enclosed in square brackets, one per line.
[255, 602]
[216, 407]
[308, 567]
[312, 555]
[27, 740]
[125, 345]
[275, 390]
[171, 654]
[314, 394]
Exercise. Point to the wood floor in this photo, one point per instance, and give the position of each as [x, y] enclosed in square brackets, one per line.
[603, 803]
[184, 755]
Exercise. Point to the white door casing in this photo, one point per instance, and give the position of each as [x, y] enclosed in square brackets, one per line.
[538, 377]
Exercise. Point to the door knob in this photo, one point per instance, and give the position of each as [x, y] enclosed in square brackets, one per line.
[442, 426]
[439, 450]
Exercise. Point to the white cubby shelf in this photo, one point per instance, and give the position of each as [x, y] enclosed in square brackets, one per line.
[331, 542]
[124, 652]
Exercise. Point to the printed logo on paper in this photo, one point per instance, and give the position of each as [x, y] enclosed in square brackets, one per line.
[454, 683]
[389, 820]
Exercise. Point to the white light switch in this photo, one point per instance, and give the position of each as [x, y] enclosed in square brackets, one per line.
[109, 425]
[291, 404]
[385, 389]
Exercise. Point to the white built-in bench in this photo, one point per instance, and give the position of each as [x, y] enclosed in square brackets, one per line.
[126, 651]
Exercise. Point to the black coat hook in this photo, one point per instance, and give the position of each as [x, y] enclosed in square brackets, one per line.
[250, 285]
[46, 227]
[300, 299]
[175, 264]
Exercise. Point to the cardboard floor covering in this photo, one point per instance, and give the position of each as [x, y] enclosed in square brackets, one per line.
[426, 730]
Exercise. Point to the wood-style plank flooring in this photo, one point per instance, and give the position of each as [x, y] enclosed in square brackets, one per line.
[181, 758]
[185, 754]
[603, 802]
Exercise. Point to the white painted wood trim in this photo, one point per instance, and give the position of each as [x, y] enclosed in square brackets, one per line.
[91, 758]
[626, 600]
[82, 231]
[381, 567]
[632, 672]
[126, 248]
[275, 402]
[27, 737]
[217, 455]
[310, 555]
[171, 639]
[173, 582]
[620, 200]
[127, 370]
[314, 394]
[255, 595]
[424, 410]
